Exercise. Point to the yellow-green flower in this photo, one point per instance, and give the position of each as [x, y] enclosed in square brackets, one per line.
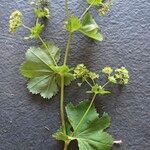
[122, 75]
[15, 21]
[42, 12]
[80, 71]
[107, 70]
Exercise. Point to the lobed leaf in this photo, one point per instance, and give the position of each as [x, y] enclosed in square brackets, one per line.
[37, 69]
[89, 133]
[90, 28]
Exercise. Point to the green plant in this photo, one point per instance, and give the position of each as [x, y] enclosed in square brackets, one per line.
[47, 76]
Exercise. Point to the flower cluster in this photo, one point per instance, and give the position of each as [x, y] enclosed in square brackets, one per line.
[15, 21]
[121, 75]
[81, 71]
[107, 70]
[105, 8]
[42, 12]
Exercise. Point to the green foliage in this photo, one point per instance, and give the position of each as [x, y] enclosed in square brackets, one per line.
[45, 76]
[88, 131]
[15, 21]
[90, 28]
[73, 24]
[42, 12]
[63, 71]
[94, 2]
[37, 68]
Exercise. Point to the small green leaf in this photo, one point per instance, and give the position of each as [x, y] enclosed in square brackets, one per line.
[90, 28]
[97, 89]
[73, 24]
[94, 2]
[89, 133]
[37, 69]
[36, 30]
[65, 71]
[59, 135]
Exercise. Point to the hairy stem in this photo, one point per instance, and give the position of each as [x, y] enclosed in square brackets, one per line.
[85, 114]
[68, 47]
[48, 49]
[86, 10]
[62, 105]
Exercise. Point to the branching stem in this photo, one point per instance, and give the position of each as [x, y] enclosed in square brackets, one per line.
[68, 47]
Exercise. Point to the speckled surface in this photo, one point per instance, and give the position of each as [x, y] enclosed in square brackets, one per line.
[23, 117]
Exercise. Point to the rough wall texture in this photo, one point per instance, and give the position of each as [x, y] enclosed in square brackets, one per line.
[126, 28]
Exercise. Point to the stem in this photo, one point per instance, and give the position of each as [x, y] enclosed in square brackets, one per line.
[26, 27]
[68, 48]
[86, 10]
[48, 49]
[62, 105]
[66, 8]
[66, 145]
[105, 84]
[37, 20]
[88, 82]
[85, 113]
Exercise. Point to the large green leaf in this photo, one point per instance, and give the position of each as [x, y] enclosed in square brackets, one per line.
[90, 28]
[37, 68]
[89, 133]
